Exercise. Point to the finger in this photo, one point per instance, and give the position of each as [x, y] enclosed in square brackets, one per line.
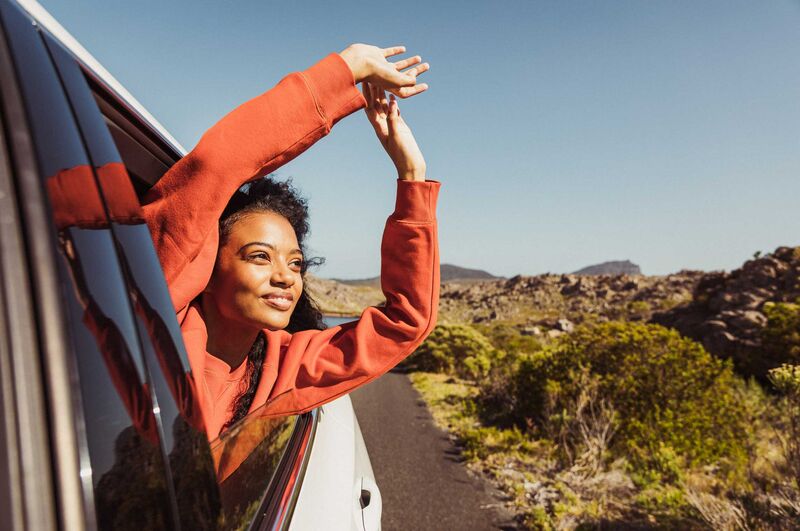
[394, 110]
[393, 50]
[366, 92]
[407, 92]
[376, 98]
[417, 70]
[383, 102]
[405, 63]
[369, 95]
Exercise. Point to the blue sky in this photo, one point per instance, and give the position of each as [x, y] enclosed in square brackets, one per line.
[565, 133]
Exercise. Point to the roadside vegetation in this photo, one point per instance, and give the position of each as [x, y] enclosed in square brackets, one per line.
[622, 424]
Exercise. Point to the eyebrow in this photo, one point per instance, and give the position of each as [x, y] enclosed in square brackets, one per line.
[267, 245]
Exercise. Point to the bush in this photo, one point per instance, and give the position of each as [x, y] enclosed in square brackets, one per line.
[667, 392]
[509, 339]
[786, 380]
[458, 350]
[781, 336]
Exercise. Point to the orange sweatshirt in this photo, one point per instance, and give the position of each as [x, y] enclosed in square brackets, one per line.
[306, 369]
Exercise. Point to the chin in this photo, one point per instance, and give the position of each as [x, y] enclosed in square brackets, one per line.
[276, 322]
[271, 318]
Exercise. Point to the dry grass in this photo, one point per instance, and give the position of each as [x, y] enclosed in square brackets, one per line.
[547, 492]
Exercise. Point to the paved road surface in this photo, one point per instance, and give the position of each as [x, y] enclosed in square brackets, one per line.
[423, 485]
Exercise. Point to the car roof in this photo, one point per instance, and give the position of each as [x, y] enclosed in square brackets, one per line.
[45, 20]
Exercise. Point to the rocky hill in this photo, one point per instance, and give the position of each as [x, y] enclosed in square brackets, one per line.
[620, 267]
[722, 310]
[542, 303]
[336, 298]
[726, 312]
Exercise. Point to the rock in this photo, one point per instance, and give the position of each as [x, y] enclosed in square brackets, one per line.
[748, 320]
[531, 331]
[725, 312]
[565, 325]
[714, 325]
[630, 285]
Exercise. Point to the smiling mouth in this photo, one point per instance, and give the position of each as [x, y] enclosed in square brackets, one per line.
[279, 303]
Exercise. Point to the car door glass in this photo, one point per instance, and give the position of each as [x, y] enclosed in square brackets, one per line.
[247, 458]
[167, 364]
[122, 465]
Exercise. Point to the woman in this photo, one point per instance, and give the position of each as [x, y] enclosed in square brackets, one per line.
[234, 296]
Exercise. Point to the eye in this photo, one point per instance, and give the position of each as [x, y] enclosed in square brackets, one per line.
[297, 263]
[258, 256]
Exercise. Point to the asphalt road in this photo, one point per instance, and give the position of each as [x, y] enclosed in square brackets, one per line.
[423, 484]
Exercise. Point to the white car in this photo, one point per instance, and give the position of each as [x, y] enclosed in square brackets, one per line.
[99, 423]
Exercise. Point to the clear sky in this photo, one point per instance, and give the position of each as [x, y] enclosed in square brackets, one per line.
[565, 133]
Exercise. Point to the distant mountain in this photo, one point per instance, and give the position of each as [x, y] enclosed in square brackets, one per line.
[372, 282]
[448, 272]
[454, 272]
[619, 267]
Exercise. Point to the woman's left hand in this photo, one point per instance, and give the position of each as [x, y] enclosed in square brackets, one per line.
[394, 134]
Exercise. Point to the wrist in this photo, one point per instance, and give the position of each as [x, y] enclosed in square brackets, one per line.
[356, 62]
[417, 174]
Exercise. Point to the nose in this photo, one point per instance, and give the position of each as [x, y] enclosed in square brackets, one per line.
[282, 275]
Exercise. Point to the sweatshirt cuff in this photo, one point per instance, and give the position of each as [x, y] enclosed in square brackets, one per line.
[334, 88]
[416, 201]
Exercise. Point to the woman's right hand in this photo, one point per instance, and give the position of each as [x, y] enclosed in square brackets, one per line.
[394, 134]
[369, 63]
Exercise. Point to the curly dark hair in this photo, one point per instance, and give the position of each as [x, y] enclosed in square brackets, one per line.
[280, 197]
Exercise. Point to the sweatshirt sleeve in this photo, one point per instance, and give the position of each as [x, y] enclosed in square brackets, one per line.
[183, 208]
[319, 366]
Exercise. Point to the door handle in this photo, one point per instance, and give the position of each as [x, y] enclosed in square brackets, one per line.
[371, 504]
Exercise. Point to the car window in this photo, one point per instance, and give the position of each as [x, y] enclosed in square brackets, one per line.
[122, 466]
[253, 457]
[182, 431]
[259, 463]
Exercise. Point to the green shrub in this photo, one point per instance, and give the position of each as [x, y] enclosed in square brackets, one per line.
[459, 350]
[781, 336]
[669, 394]
[786, 380]
[509, 339]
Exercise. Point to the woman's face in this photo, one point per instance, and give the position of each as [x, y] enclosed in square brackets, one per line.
[256, 280]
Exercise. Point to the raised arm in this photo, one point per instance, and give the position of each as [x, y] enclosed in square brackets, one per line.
[183, 208]
[318, 366]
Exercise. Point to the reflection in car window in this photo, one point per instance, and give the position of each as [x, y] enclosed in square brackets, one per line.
[125, 473]
[246, 458]
[124, 447]
[166, 364]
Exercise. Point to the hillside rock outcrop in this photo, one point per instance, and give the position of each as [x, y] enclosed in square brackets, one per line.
[335, 298]
[544, 300]
[726, 313]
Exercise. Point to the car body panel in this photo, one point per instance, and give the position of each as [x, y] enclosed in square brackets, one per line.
[330, 497]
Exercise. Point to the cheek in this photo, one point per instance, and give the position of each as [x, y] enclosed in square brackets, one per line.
[237, 279]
